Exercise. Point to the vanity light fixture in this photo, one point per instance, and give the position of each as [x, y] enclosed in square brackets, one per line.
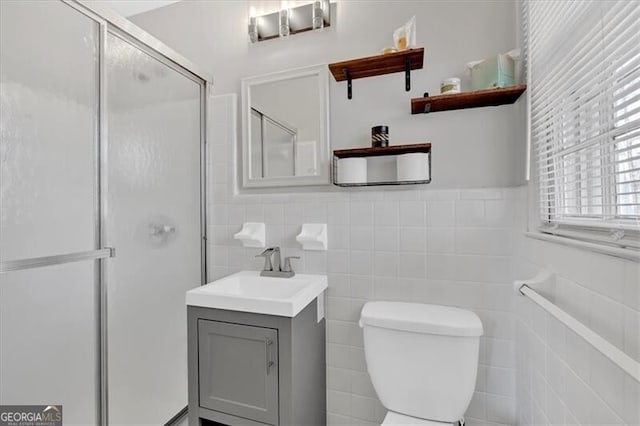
[288, 20]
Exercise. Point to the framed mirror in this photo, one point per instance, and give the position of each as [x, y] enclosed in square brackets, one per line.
[285, 128]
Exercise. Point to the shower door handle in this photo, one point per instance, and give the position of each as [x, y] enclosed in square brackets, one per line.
[39, 262]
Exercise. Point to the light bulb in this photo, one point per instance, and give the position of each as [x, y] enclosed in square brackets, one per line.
[283, 19]
[317, 15]
[252, 28]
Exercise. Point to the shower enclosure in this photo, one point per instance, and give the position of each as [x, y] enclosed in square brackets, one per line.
[102, 229]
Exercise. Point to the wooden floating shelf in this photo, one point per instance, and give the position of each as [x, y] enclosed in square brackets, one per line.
[404, 61]
[377, 65]
[404, 182]
[380, 151]
[464, 100]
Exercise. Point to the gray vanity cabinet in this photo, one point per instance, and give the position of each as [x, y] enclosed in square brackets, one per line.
[238, 370]
[254, 369]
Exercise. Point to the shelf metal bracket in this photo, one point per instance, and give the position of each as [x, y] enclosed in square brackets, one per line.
[347, 75]
[407, 73]
[427, 108]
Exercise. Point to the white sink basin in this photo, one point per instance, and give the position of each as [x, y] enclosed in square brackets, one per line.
[247, 291]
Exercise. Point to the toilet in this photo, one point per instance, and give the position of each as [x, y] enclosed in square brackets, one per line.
[422, 360]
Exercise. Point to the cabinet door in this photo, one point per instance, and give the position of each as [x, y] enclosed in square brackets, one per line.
[238, 370]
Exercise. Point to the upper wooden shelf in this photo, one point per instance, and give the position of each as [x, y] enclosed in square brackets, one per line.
[404, 61]
[380, 151]
[480, 98]
[377, 65]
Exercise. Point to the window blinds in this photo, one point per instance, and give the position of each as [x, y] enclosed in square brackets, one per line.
[584, 84]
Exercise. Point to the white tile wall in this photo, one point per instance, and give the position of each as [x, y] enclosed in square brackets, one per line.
[451, 247]
[446, 247]
[561, 379]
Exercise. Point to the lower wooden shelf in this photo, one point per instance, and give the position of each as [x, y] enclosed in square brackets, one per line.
[389, 151]
[479, 98]
[404, 182]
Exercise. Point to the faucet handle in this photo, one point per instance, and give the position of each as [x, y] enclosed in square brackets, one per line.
[267, 259]
[287, 263]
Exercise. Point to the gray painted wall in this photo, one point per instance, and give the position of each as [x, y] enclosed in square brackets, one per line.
[472, 148]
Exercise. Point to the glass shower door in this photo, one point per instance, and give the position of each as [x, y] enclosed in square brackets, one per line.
[154, 133]
[48, 204]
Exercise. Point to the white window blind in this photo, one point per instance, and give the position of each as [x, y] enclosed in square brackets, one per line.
[584, 87]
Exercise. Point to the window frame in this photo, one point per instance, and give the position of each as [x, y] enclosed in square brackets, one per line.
[607, 229]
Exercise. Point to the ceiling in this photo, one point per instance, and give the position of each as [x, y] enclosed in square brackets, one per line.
[133, 7]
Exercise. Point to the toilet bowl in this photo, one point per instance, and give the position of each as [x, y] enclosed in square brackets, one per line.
[422, 360]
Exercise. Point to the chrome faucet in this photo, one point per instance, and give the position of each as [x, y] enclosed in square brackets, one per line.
[274, 268]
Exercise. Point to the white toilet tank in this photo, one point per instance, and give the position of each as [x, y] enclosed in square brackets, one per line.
[422, 359]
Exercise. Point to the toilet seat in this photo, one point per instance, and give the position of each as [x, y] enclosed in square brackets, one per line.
[393, 419]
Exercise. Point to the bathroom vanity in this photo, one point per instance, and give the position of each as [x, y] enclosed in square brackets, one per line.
[256, 351]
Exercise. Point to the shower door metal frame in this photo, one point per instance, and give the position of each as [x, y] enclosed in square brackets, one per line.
[111, 22]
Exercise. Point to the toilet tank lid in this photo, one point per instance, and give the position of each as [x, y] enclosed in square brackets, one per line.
[421, 318]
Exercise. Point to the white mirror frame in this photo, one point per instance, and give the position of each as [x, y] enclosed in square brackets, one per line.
[324, 163]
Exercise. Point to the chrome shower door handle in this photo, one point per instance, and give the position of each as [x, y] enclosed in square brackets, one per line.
[60, 259]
